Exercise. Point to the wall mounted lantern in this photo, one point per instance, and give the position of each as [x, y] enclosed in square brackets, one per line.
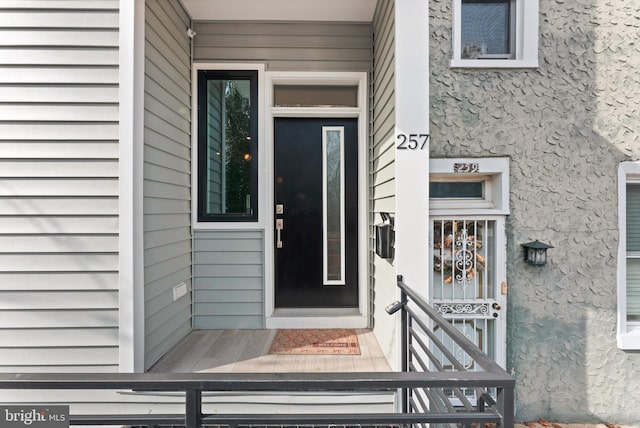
[535, 253]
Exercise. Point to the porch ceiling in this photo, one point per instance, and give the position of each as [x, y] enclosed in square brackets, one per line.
[281, 10]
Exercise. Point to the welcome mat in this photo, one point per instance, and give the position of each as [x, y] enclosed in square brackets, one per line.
[334, 341]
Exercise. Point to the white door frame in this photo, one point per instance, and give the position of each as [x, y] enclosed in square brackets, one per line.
[495, 206]
[322, 317]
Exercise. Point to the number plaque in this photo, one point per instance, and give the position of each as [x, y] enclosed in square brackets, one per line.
[466, 168]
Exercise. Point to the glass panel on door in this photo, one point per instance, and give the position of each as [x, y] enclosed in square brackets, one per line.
[333, 204]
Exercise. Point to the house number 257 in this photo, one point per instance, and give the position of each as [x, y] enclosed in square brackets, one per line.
[413, 141]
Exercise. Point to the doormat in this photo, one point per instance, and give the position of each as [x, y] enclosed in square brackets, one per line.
[335, 341]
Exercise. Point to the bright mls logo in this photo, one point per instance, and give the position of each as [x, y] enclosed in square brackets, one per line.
[34, 416]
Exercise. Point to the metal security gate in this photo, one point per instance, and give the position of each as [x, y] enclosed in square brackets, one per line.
[468, 283]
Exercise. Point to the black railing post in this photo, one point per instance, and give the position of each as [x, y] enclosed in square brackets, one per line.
[505, 401]
[480, 404]
[193, 408]
[404, 319]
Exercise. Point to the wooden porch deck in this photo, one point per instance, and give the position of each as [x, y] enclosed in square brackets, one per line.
[247, 351]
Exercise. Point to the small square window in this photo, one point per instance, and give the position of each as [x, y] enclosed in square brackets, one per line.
[495, 33]
[487, 29]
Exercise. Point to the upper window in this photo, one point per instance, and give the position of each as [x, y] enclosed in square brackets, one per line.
[495, 33]
[629, 256]
[487, 29]
[227, 145]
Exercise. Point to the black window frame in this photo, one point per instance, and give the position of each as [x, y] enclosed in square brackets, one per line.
[203, 77]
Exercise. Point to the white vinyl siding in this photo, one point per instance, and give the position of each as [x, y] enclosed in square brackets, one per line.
[59, 186]
[167, 177]
[382, 168]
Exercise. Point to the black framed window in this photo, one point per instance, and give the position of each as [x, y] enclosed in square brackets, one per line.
[227, 145]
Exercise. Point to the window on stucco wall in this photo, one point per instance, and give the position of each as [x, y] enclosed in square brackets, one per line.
[629, 256]
[495, 33]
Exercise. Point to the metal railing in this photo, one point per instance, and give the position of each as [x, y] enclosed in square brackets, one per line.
[428, 397]
[425, 352]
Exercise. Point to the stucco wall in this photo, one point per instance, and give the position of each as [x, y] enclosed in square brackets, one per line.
[566, 127]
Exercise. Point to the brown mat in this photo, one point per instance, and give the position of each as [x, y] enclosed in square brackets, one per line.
[335, 341]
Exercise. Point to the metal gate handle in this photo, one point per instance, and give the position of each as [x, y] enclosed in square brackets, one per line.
[279, 227]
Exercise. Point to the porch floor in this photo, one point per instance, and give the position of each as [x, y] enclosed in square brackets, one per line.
[247, 351]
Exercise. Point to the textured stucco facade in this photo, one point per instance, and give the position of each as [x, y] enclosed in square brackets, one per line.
[565, 126]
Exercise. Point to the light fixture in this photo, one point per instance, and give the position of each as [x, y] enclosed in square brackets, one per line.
[535, 253]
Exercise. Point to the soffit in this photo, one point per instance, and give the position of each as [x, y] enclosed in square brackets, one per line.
[281, 10]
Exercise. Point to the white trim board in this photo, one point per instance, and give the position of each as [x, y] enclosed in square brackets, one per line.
[131, 136]
[411, 221]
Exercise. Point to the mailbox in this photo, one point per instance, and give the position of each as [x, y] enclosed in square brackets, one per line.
[385, 237]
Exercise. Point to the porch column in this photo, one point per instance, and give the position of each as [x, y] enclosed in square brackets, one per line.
[412, 149]
[131, 123]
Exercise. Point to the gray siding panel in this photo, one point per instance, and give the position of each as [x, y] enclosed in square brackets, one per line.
[167, 177]
[286, 45]
[59, 186]
[229, 279]
[383, 111]
[382, 172]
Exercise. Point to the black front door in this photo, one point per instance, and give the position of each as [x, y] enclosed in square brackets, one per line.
[316, 213]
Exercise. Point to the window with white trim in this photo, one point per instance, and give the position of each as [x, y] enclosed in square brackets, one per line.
[629, 256]
[495, 33]
[475, 185]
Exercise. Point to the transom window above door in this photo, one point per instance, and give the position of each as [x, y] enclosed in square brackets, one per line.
[475, 185]
[315, 95]
[227, 145]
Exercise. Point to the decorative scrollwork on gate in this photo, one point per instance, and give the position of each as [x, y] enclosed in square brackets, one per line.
[463, 257]
[462, 308]
[457, 256]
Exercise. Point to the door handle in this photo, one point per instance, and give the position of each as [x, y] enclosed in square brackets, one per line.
[279, 227]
